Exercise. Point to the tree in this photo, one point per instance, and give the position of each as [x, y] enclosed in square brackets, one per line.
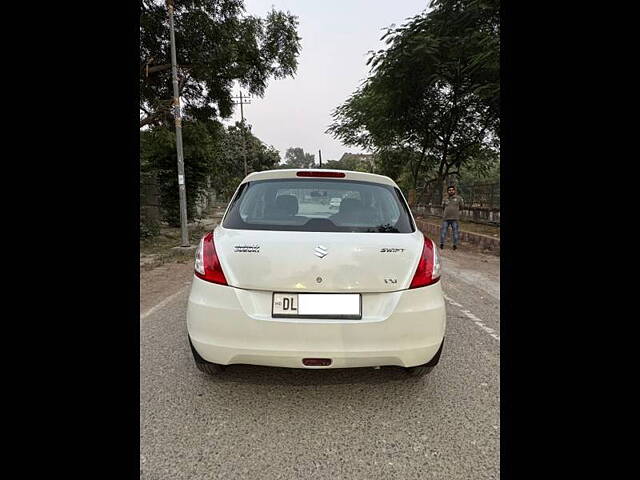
[216, 45]
[295, 157]
[209, 147]
[202, 142]
[355, 162]
[391, 162]
[230, 167]
[432, 97]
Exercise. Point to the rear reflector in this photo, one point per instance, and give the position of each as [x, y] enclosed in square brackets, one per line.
[310, 173]
[316, 362]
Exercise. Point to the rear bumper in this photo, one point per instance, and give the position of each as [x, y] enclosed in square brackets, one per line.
[229, 325]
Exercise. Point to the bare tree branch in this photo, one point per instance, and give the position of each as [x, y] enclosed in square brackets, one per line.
[149, 119]
[162, 108]
[159, 68]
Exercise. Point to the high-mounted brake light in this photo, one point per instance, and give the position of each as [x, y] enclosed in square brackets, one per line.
[428, 271]
[311, 173]
[207, 266]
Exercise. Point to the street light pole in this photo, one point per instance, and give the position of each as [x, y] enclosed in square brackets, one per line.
[244, 143]
[184, 233]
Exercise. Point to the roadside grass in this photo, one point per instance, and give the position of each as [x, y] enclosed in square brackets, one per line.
[160, 249]
[168, 238]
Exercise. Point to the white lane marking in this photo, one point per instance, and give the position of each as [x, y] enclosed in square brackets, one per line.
[163, 303]
[475, 319]
[471, 277]
[452, 302]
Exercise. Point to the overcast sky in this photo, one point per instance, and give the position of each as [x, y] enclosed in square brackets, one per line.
[336, 36]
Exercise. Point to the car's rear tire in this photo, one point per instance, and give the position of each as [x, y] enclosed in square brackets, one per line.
[210, 368]
[204, 366]
[420, 370]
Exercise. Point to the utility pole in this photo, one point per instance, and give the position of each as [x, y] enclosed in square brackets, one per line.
[241, 102]
[184, 233]
[320, 157]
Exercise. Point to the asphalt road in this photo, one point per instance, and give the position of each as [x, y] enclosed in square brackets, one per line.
[268, 423]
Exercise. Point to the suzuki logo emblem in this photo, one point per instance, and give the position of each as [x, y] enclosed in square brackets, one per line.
[321, 251]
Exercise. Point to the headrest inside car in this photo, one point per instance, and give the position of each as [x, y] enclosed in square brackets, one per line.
[350, 205]
[288, 203]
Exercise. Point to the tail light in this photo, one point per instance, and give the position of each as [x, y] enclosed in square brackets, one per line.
[315, 173]
[428, 271]
[207, 265]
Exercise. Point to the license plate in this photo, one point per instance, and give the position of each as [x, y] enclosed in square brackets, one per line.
[317, 305]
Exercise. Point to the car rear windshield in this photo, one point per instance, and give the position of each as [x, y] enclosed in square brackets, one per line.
[311, 205]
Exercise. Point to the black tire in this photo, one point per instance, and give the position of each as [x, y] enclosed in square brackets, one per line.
[210, 368]
[420, 370]
[204, 366]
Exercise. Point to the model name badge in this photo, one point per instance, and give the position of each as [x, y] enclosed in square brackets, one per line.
[391, 250]
[246, 248]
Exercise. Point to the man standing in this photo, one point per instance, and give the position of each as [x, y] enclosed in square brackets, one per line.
[450, 216]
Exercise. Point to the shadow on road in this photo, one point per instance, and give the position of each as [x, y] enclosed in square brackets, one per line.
[257, 375]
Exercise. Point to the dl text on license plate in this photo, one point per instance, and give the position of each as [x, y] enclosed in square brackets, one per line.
[319, 305]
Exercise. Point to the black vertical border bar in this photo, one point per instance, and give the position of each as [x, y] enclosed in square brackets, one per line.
[133, 222]
[506, 200]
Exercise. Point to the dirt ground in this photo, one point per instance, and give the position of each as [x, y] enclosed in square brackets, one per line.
[473, 265]
[160, 282]
[165, 270]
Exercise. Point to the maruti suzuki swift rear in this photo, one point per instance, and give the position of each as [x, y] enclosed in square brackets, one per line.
[287, 281]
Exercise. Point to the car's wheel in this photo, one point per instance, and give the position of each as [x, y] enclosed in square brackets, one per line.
[204, 366]
[420, 370]
[210, 368]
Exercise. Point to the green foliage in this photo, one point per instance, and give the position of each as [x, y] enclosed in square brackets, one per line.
[431, 101]
[238, 142]
[149, 223]
[295, 157]
[213, 160]
[216, 45]
[480, 169]
[355, 162]
[148, 229]
[201, 142]
[391, 162]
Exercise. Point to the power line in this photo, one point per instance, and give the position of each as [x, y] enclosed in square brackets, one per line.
[243, 101]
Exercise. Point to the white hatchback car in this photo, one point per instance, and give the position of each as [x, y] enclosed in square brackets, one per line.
[288, 283]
